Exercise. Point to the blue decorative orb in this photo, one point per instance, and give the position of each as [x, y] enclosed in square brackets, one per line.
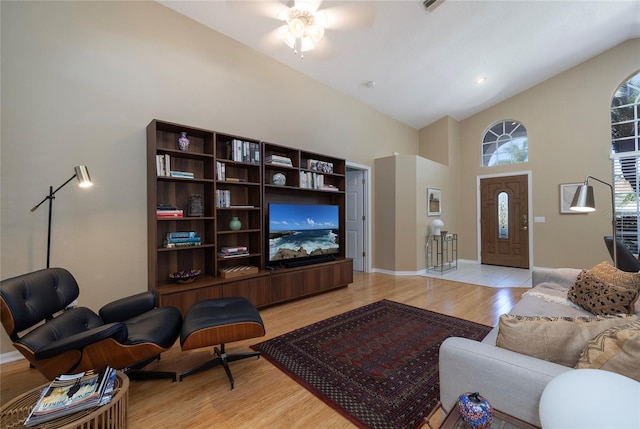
[475, 411]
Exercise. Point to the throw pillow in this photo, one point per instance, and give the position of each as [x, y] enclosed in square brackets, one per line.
[613, 276]
[556, 339]
[599, 297]
[616, 349]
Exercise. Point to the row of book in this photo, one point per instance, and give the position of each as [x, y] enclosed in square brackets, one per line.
[70, 393]
[242, 151]
[181, 239]
[312, 180]
[232, 252]
[163, 168]
[221, 173]
[278, 159]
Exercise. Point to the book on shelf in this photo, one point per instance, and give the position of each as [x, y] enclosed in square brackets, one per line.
[233, 254]
[221, 168]
[70, 393]
[186, 244]
[242, 207]
[243, 151]
[226, 249]
[163, 164]
[181, 234]
[278, 159]
[182, 174]
[169, 213]
[183, 240]
[235, 179]
[311, 180]
[223, 198]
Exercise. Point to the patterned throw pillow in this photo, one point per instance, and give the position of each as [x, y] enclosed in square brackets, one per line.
[599, 297]
[556, 339]
[613, 276]
[616, 349]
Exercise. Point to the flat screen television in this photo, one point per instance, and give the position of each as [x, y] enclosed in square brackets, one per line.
[303, 231]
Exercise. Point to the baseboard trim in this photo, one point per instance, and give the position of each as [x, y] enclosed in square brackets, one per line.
[10, 357]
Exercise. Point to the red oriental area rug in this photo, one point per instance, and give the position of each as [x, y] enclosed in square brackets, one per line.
[377, 364]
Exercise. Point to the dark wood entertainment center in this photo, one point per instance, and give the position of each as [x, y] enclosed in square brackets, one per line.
[247, 187]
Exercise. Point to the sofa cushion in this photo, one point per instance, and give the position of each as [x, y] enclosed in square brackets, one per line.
[613, 276]
[555, 339]
[616, 349]
[599, 297]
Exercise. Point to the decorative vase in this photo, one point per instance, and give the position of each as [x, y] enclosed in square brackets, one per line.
[235, 224]
[183, 142]
[475, 411]
[279, 179]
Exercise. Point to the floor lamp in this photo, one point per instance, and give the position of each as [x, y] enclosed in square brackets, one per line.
[84, 181]
[584, 202]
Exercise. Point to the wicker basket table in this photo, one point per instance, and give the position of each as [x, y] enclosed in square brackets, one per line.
[110, 416]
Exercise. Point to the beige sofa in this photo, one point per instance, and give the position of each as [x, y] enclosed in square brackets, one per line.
[511, 382]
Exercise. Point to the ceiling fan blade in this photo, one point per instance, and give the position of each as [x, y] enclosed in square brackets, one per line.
[264, 8]
[355, 15]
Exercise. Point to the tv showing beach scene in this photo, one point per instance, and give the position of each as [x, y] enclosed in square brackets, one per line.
[303, 230]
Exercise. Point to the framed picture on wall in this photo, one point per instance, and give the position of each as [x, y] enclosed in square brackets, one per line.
[434, 202]
[567, 191]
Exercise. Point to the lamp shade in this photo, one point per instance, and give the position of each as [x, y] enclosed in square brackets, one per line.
[583, 200]
[82, 174]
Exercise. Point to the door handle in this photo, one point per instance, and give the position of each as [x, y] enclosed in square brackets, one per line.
[525, 222]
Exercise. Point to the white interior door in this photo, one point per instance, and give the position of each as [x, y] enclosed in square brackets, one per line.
[355, 209]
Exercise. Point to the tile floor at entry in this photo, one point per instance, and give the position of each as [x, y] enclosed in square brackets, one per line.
[486, 275]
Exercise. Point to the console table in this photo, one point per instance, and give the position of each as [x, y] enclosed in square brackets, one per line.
[442, 252]
[109, 416]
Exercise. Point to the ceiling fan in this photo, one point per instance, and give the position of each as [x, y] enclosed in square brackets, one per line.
[303, 22]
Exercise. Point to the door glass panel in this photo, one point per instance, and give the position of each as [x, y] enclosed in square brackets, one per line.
[503, 215]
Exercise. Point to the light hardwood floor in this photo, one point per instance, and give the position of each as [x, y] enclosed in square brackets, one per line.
[263, 396]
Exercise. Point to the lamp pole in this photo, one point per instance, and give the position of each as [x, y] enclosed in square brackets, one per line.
[82, 174]
[583, 201]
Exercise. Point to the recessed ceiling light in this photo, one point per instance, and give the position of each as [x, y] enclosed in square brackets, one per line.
[481, 80]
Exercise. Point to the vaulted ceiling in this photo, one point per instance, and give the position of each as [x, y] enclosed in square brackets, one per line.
[425, 63]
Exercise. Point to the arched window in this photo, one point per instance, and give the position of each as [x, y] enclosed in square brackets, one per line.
[625, 159]
[505, 142]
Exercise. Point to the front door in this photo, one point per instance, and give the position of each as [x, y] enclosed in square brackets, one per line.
[504, 223]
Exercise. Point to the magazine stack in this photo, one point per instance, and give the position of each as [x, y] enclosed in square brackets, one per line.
[70, 393]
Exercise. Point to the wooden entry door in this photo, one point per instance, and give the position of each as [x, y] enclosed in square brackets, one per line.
[504, 221]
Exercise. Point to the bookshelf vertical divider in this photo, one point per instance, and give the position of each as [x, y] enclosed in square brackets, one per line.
[194, 195]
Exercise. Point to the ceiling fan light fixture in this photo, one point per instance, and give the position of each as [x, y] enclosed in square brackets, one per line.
[302, 32]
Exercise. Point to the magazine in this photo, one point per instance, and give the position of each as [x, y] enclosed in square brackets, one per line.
[70, 393]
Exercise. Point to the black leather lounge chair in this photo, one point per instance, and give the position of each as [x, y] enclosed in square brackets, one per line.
[128, 333]
[626, 260]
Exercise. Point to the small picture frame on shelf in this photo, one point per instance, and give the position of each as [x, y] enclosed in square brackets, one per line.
[320, 166]
[434, 202]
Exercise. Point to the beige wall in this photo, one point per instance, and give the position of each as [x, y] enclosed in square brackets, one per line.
[402, 224]
[567, 119]
[80, 82]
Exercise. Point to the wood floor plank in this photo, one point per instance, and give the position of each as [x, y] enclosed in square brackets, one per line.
[264, 396]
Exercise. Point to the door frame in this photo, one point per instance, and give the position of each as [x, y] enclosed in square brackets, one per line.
[527, 173]
[366, 173]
